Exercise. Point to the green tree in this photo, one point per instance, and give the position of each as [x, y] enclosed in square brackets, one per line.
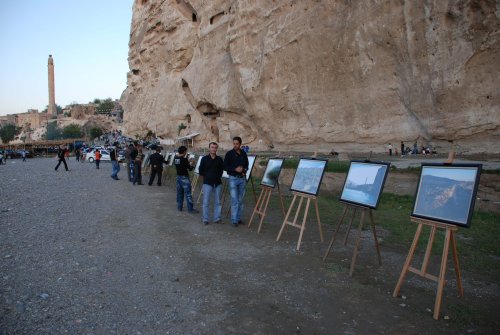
[72, 131]
[95, 132]
[105, 106]
[7, 133]
[53, 132]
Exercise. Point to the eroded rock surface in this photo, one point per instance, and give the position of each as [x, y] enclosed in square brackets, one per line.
[312, 75]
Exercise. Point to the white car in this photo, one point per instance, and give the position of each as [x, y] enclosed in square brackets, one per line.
[90, 156]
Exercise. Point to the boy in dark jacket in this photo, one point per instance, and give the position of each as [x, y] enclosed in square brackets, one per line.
[183, 183]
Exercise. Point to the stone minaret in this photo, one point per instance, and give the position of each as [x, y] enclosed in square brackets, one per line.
[52, 110]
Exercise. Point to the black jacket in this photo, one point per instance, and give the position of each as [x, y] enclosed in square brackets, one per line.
[156, 160]
[182, 165]
[232, 160]
[211, 170]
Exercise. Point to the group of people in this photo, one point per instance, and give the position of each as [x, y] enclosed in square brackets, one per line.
[211, 169]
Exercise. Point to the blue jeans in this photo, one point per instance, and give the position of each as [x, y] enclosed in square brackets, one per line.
[115, 169]
[184, 187]
[207, 192]
[237, 187]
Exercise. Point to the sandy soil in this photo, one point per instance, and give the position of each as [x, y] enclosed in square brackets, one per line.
[81, 253]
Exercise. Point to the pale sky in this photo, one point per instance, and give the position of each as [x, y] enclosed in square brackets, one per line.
[88, 41]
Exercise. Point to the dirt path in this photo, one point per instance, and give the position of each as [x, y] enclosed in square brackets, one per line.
[81, 253]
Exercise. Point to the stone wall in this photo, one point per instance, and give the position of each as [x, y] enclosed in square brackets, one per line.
[315, 75]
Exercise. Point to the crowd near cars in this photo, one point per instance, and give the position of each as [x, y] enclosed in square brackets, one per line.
[87, 152]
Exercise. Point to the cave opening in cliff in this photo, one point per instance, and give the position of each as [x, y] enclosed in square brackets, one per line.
[193, 17]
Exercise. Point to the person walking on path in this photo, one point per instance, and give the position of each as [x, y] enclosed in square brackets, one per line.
[128, 161]
[61, 153]
[389, 148]
[137, 157]
[182, 167]
[156, 161]
[77, 154]
[23, 154]
[211, 169]
[97, 158]
[115, 166]
[236, 165]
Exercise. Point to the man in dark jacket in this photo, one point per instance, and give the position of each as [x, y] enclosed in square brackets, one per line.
[183, 183]
[61, 152]
[211, 169]
[236, 165]
[156, 161]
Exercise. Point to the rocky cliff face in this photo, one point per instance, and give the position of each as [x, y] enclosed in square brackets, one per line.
[316, 75]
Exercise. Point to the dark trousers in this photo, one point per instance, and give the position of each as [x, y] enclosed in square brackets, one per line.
[154, 171]
[97, 161]
[63, 161]
[137, 172]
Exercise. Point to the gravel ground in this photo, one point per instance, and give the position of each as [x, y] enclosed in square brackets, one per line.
[81, 253]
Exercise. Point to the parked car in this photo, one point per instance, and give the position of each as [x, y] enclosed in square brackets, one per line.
[90, 156]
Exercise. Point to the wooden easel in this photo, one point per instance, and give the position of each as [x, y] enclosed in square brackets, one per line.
[262, 202]
[302, 226]
[358, 239]
[194, 183]
[440, 279]
[448, 239]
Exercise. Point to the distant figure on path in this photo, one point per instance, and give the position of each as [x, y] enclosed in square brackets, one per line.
[23, 154]
[156, 161]
[137, 156]
[402, 148]
[128, 161]
[61, 153]
[77, 154]
[97, 158]
[389, 147]
[115, 166]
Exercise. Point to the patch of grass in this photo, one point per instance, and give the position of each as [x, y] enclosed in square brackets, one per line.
[491, 171]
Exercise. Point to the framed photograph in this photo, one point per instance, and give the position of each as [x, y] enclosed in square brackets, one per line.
[364, 183]
[272, 172]
[251, 162]
[308, 176]
[447, 193]
[197, 167]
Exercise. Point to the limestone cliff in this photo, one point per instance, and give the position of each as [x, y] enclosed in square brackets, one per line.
[317, 74]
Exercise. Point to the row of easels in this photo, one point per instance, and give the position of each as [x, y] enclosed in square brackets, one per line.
[297, 205]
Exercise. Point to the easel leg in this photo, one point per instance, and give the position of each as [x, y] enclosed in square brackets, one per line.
[286, 217]
[303, 226]
[256, 208]
[356, 247]
[442, 274]
[374, 230]
[335, 233]
[350, 224]
[319, 221]
[409, 258]
[281, 200]
[265, 210]
[456, 264]
[428, 249]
